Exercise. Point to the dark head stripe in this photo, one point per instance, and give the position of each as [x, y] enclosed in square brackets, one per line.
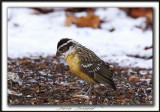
[66, 46]
[62, 41]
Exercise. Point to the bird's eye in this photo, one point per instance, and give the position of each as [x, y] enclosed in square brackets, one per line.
[62, 50]
[65, 48]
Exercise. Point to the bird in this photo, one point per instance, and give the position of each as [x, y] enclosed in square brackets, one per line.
[84, 63]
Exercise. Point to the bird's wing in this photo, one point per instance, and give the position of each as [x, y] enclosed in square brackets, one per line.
[93, 66]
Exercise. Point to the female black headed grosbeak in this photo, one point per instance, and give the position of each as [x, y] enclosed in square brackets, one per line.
[85, 63]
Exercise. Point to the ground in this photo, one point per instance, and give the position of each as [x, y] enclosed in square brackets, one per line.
[49, 81]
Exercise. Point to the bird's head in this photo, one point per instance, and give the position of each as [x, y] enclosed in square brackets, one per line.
[65, 46]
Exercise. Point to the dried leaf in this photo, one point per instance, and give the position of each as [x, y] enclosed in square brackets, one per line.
[134, 79]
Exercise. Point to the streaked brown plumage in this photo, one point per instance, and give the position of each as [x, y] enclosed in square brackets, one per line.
[85, 63]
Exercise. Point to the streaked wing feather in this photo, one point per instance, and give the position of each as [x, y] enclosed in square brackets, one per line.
[97, 69]
[104, 80]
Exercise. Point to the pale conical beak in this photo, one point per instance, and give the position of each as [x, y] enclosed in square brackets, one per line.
[58, 54]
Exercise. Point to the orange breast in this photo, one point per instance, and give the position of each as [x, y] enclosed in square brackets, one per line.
[74, 65]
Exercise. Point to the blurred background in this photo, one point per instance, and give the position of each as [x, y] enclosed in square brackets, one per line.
[119, 35]
[122, 37]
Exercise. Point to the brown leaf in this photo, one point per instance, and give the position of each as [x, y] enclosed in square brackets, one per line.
[37, 90]
[90, 20]
[141, 12]
[134, 79]
[70, 19]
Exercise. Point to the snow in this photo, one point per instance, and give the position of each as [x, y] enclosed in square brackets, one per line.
[143, 72]
[147, 80]
[42, 73]
[30, 34]
[64, 83]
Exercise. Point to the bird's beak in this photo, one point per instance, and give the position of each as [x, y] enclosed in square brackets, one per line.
[58, 54]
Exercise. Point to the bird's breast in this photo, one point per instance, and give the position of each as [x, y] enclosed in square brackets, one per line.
[73, 62]
[74, 65]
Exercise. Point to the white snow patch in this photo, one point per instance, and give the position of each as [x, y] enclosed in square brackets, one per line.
[80, 14]
[143, 72]
[64, 83]
[42, 72]
[147, 80]
[81, 81]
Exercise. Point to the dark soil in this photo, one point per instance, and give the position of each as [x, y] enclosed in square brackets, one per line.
[47, 80]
